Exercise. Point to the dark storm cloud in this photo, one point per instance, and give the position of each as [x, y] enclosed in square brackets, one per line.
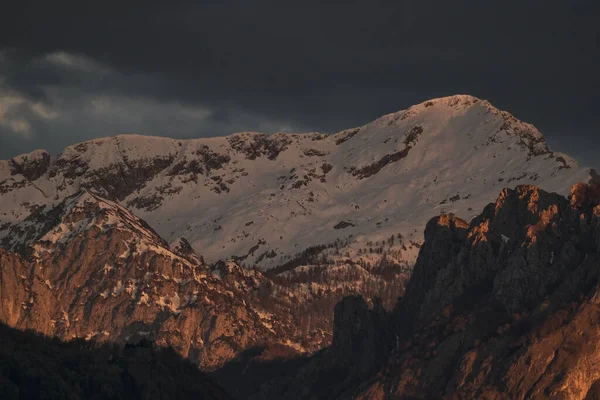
[60, 98]
[302, 65]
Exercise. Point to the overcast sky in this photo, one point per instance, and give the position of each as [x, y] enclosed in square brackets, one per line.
[71, 72]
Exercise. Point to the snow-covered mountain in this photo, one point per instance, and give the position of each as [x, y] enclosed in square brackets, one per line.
[133, 236]
[265, 198]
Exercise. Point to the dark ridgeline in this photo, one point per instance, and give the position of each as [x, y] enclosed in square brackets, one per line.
[37, 367]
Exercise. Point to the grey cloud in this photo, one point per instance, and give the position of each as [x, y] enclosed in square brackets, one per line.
[67, 104]
[319, 65]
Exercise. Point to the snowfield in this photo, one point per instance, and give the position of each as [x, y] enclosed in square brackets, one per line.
[262, 199]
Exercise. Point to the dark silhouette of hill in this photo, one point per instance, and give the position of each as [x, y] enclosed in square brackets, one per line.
[37, 367]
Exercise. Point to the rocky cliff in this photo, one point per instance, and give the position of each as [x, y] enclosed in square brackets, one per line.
[504, 306]
[88, 268]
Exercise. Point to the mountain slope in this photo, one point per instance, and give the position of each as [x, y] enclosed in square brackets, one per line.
[88, 268]
[327, 216]
[503, 306]
[265, 198]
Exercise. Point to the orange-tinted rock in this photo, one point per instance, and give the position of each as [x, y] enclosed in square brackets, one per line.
[585, 195]
[505, 307]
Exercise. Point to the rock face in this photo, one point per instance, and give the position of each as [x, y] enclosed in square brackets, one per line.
[362, 341]
[90, 269]
[360, 333]
[505, 306]
[31, 166]
[511, 312]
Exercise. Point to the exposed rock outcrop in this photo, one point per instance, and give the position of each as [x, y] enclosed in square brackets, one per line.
[505, 306]
[32, 166]
[361, 333]
[90, 269]
[362, 341]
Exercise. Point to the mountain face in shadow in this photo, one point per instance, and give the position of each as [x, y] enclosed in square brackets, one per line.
[504, 306]
[37, 367]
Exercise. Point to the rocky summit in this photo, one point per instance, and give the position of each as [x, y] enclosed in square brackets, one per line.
[502, 307]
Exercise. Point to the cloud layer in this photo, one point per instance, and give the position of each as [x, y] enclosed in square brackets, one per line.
[79, 98]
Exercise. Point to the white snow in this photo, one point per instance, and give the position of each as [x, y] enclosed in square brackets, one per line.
[92, 335]
[118, 289]
[143, 299]
[171, 302]
[468, 151]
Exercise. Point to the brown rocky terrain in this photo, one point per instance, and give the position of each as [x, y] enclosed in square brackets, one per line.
[93, 270]
[502, 306]
[505, 306]
[89, 268]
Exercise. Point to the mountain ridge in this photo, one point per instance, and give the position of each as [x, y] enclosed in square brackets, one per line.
[215, 246]
[503, 306]
[272, 181]
[458, 98]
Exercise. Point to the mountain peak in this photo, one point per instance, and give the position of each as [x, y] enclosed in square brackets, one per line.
[31, 156]
[465, 99]
[83, 214]
[443, 155]
[528, 133]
